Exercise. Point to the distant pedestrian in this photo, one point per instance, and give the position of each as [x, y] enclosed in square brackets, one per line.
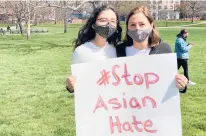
[182, 50]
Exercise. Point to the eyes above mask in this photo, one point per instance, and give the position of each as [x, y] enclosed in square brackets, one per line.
[104, 31]
[139, 35]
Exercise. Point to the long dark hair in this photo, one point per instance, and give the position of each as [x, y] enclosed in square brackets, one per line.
[181, 34]
[87, 33]
[154, 38]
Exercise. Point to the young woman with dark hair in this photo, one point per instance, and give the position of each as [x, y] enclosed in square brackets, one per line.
[96, 39]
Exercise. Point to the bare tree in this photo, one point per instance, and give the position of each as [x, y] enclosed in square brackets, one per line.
[23, 11]
[2, 7]
[202, 12]
[69, 6]
[183, 9]
[3, 16]
[124, 7]
[194, 8]
[18, 11]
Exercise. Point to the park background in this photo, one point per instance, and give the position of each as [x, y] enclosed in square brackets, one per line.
[35, 56]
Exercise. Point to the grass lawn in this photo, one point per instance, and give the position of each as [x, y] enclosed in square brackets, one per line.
[32, 84]
[179, 23]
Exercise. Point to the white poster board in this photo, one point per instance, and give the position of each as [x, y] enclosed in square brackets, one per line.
[137, 96]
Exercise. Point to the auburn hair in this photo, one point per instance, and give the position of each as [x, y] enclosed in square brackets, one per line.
[154, 38]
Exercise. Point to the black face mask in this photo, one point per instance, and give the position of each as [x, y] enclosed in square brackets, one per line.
[104, 31]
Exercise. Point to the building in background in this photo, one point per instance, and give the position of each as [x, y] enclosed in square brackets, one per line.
[164, 9]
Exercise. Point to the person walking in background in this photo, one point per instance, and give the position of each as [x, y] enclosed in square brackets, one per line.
[182, 50]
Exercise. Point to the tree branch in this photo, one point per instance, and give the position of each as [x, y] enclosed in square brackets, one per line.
[70, 7]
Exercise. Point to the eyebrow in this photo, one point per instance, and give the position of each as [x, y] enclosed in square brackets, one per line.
[136, 22]
[106, 18]
[132, 22]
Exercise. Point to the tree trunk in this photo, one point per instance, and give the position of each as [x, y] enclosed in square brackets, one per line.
[36, 20]
[65, 21]
[17, 25]
[193, 12]
[28, 35]
[55, 21]
[20, 25]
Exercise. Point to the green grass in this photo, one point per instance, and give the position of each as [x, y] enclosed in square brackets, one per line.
[171, 23]
[3, 25]
[32, 84]
[157, 23]
[58, 28]
[199, 25]
[177, 23]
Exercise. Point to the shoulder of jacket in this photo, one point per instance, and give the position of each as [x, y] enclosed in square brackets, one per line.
[165, 47]
[180, 39]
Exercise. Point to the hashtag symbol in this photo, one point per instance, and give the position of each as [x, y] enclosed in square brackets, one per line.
[105, 78]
